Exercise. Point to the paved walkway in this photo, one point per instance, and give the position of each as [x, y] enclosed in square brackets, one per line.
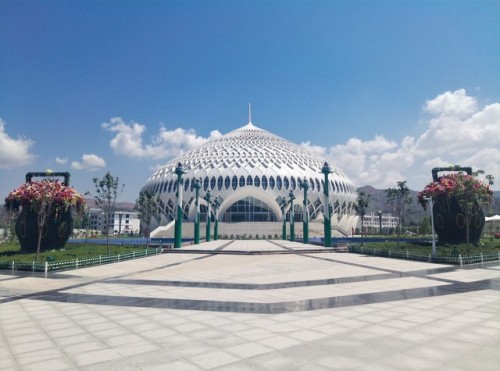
[259, 305]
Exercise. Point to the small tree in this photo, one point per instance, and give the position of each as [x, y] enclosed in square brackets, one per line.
[425, 227]
[399, 198]
[472, 196]
[148, 207]
[107, 191]
[360, 206]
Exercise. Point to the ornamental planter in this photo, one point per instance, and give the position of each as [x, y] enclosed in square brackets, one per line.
[55, 234]
[450, 223]
[457, 198]
[50, 198]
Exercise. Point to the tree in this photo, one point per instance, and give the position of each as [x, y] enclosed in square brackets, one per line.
[399, 199]
[360, 206]
[107, 191]
[148, 207]
[425, 226]
[472, 197]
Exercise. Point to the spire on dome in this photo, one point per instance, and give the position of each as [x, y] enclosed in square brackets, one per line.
[249, 113]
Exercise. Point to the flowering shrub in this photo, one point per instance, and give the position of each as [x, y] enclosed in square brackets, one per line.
[35, 195]
[457, 185]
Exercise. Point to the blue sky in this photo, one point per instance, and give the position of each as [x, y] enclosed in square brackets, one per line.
[385, 90]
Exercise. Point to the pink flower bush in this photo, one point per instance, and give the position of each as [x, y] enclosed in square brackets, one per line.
[457, 185]
[35, 194]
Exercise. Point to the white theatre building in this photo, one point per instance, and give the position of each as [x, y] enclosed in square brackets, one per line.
[249, 168]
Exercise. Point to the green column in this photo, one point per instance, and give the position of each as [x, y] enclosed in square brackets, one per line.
[209, 214]
[217, 202]
[327, 209]
[197, 186]
[179, 170]
[292, 217]
[305, 220]
[282, 204]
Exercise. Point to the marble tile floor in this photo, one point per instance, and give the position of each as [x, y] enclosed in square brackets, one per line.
[299, 311]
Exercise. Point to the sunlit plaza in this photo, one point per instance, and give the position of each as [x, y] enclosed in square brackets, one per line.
[253, 305]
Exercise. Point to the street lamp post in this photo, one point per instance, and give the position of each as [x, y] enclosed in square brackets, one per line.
[327, 209]
[380, 222]
[429, 200]
[209, 215]
[292, 217]
[197, 186]
[179, 170]
[305, 218]
[217, 202]
[282, 204]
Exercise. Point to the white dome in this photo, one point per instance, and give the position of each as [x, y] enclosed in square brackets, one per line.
[253, 166]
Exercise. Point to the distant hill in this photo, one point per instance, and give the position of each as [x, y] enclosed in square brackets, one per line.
[124, 205]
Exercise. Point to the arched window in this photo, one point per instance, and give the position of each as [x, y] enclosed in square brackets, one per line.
[264, 182]
[186, 184]
[249, 180]
[311, 182]
[205, 183]
[279, 184]
[242, 181]
[235, 182]
[292, 181]
[212, 183]
[227, 182]
[286, 183]
[271, 182]
[256, 181]
[170, 186]
[220, 182]
[318, 187]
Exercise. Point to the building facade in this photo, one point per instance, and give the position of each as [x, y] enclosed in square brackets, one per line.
[376, 220]
[250, 169]
[120, 222]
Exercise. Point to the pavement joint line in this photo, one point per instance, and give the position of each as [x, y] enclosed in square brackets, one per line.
[265, 307]
[82, 284]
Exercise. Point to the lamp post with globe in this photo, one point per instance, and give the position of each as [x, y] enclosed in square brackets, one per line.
[327, 208]
[305, 218]
[197, 186]
[292, 217]
[179, 171]
[207, 198]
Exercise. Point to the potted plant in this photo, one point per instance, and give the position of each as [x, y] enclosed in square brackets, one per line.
[45, 220]
[458, 198]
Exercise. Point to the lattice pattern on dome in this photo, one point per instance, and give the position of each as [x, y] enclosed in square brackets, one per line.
[248, 146]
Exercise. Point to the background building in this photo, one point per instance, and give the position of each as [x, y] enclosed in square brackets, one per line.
[120, 222]
[374, 220]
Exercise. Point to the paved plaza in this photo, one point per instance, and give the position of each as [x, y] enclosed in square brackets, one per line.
[253, 305]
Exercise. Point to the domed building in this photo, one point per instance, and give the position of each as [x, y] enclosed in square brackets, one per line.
[251, 169]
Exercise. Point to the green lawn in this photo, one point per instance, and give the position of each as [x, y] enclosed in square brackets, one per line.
[10, 251]
[486, 246]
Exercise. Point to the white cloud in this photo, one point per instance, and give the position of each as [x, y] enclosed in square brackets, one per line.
[128, 140]
[14, 152]
[457, 132]
[62, 161]
[456, 104]
[89, 162]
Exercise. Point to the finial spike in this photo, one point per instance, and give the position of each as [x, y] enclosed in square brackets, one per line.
[249, 113]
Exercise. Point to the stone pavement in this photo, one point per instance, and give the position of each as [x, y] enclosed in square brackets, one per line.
[258, 305]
